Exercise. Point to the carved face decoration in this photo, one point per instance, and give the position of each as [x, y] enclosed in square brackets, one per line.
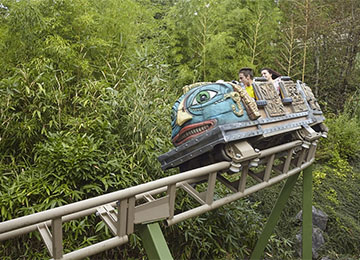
[204, 107]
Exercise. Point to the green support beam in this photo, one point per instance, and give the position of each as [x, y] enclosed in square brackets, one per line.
[307, 214]
[274, 217]
[154, 242]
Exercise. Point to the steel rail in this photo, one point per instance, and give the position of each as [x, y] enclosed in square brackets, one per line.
[80, 214]
[29, 223]
[108, 198]
[280, 148]
[94, 249]
[21, 231]
[221, 202]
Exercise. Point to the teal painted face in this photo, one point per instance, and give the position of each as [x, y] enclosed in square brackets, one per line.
[204, 107]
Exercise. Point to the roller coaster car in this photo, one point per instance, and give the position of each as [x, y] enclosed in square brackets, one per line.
[213, 122]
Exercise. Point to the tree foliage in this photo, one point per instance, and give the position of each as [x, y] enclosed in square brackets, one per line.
[86, 89]
[325, 36]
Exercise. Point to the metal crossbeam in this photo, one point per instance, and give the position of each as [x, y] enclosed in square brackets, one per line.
[108, 215]
[46, 236]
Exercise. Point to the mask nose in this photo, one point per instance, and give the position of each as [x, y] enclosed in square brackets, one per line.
[182, 115]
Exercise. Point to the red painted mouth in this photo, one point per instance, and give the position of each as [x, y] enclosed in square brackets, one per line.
[190, 131]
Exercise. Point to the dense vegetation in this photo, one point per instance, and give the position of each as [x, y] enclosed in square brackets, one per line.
[86, 91]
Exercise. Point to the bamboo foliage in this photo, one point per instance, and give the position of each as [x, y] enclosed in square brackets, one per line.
[206, 25]
[306, 8]
[260, 34]
[199, 41]
[254, 38]
[295, 37]
[290, 53]
[86, 89]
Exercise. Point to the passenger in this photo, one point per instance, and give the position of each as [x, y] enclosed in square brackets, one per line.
[272, 77]
[246, 76]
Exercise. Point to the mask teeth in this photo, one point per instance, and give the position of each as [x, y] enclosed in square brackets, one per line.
[193, 131]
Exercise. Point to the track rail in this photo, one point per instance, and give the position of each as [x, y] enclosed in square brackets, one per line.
[153, 201]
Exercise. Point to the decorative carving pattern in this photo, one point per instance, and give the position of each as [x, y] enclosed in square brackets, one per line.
[194, 85]
[266, 91]
[289, 89]
[237, 99]
[314, 105]
[249, 103]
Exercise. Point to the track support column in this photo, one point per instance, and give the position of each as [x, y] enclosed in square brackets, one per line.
[274, 217]
[154, 242]
[307, 214]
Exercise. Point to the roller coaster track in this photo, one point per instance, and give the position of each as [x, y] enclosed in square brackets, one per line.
[153, 201]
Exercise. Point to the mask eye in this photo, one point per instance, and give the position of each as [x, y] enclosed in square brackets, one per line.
[203, 97]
